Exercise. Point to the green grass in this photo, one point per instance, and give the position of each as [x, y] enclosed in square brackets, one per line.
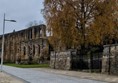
[28, 66]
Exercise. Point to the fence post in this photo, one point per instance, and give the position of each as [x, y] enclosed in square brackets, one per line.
[91, 64]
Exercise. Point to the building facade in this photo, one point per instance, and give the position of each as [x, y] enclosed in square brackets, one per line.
[28, 44]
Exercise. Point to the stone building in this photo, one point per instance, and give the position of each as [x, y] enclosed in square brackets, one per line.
[27, 44]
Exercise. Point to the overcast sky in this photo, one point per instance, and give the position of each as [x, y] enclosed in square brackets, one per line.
[23, 11]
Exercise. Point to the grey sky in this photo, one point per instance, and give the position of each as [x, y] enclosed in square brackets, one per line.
[23, 11]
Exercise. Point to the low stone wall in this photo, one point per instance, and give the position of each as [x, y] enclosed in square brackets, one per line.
[114, 65]
[110, 60]
[70, 60]
[61, 60]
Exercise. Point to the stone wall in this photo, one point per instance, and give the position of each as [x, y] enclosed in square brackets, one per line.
[24, 43]
[62, 60]
[110, 59]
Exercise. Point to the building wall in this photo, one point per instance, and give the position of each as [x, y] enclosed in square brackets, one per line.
[25, 43]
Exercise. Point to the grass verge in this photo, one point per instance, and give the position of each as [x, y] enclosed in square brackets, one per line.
[27, 65]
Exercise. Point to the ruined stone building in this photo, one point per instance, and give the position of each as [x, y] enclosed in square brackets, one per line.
[30, 43]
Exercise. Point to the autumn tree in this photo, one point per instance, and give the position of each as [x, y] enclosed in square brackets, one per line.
[104, 24]
[54, 43]
[80, 22]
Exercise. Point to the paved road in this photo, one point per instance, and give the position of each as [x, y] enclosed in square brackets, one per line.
[33, 76]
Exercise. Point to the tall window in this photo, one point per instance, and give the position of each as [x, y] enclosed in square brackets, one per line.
[28, 50]
[41, 33]
[24, 49]
[39, 49]
[33, 49]
[31, 34]
[28, 34]
[35, 32]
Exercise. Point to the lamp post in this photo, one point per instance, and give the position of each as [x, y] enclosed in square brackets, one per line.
[2, 54]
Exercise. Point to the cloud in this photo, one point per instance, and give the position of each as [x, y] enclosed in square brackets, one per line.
[23, 11]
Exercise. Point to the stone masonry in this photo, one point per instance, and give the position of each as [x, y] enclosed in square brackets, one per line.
[110, 59]
[25, 44]
[62, 60]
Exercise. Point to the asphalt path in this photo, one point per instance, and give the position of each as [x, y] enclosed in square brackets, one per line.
[33, 76]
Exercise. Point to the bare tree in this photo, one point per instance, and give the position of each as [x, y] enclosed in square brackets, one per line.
[34, 23]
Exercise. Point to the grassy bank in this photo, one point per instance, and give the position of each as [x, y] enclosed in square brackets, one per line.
[27, 65]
